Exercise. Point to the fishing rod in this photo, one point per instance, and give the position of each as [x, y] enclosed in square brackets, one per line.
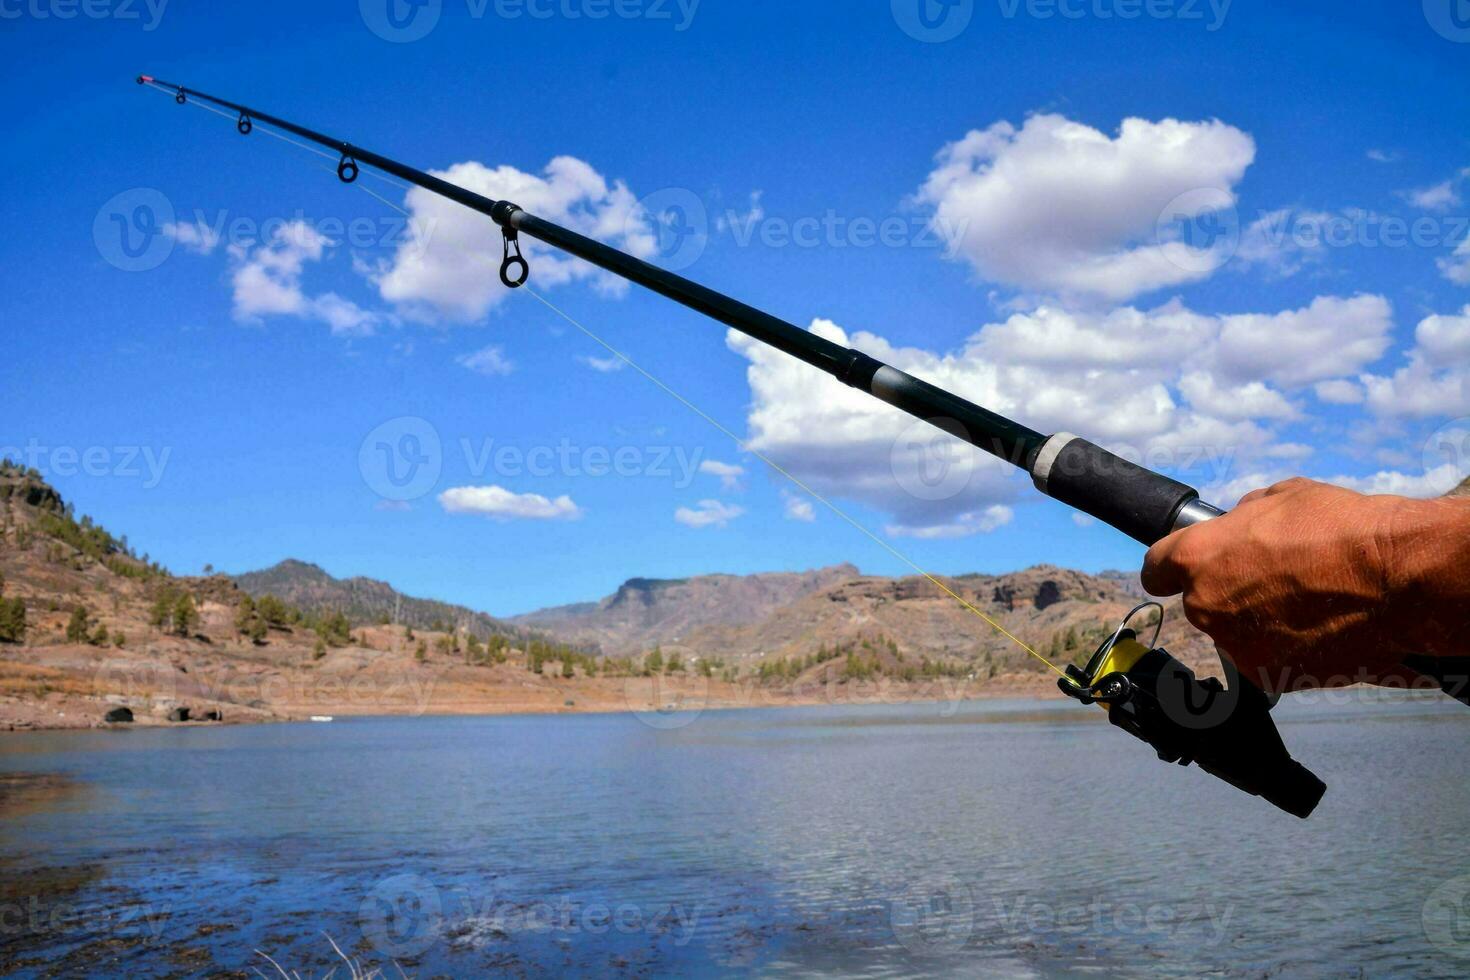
[1146, 691]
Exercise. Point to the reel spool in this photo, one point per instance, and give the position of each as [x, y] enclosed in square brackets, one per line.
[1227, 732]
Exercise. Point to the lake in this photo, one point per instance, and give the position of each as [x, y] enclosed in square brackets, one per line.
[998, 838]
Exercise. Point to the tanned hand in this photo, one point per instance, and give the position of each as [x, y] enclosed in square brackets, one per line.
[1310, 585]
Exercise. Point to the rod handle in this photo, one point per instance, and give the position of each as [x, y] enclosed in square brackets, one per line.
[1142, 504]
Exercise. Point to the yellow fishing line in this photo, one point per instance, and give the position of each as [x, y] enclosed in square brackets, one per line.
[739, 443]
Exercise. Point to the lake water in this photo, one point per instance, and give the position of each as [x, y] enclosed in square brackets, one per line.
[1014, 838]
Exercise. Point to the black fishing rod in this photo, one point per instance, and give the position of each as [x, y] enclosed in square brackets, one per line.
[1147, 692]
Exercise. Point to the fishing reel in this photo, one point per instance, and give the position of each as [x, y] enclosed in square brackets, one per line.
[1227, 732]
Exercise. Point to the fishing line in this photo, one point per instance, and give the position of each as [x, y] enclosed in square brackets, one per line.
[743, 447]
[739, 443]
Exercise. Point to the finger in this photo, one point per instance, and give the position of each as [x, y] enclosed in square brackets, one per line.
[1162, 574]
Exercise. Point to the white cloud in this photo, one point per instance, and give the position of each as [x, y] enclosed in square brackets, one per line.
[1181, 390]
[1330, 338]
[963, 526]
[196, 236]
[1441, 196]
[489, 361]
[1060, 207]
[604, 365]
[728, 473]
[266, 281]
[1339, 391]
[449, 264]
[797, 507]
[1456, 266]
[1253, 400]
[1435, 380]
[709, 513]
[1383, 156]
[1433, 482]
[502, 504]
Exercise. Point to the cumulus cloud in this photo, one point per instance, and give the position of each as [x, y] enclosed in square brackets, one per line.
[709, 513]
[1456, 266]
[502, 504]
[1433, 482]
[266, 281]
[1184, 391]
[1441, 196]
[1435, 380]
[728, 473]
[797, 507]
[448, 265]
[1060, 207]
[1339, 391]
[489, 361]
[196, 236]
[604, 365]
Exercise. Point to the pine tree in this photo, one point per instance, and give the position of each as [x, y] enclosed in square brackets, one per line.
[185, 616]
[77, 626]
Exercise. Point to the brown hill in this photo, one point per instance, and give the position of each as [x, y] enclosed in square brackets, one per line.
[644, 612]
[88, 626]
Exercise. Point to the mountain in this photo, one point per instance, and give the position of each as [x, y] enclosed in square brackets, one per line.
[366, 600]
[748, 620]
[644, 612]
[88, 626]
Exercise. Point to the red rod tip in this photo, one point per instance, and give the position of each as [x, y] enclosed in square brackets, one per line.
[144, 78]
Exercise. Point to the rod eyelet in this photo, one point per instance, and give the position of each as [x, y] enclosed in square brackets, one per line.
[180, 97]
[347, 170]
[244, 125]
[513, 261]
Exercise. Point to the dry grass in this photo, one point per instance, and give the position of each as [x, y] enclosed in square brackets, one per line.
[355, 968]
[29, 680]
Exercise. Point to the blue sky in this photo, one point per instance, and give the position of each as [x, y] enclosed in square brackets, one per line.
[224, 397]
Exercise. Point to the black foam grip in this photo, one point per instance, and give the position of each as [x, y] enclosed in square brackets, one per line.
[1137, 501]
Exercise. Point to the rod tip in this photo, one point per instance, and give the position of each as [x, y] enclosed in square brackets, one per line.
[144, 78]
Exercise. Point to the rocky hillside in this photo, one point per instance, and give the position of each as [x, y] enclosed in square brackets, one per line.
[367, 601]
[644, 612]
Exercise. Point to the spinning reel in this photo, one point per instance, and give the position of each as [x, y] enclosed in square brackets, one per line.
[1228, 732]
